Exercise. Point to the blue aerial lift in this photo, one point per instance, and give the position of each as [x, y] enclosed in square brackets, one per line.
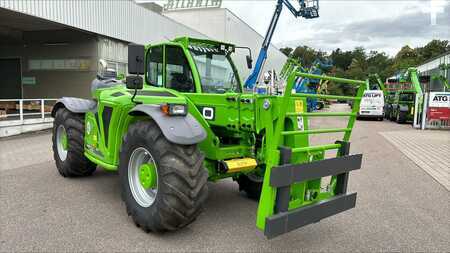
[308, 9]
[311, 86]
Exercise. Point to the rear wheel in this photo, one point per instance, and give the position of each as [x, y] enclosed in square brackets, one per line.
[251, 184]
[68, 145]
[163, 184]
[401, 117]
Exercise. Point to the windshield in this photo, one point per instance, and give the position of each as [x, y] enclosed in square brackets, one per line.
[217, 75]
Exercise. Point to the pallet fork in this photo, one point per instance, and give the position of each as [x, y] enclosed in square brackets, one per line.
[292, 196]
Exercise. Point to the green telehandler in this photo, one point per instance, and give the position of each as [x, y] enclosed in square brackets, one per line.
[182, 118]
[406, 97]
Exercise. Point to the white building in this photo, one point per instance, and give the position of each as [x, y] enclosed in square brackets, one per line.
[50, 49]
[432, 68]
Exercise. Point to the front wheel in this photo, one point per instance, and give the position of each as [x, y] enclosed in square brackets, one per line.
[68, 145]
[251, 184]
[163, 184]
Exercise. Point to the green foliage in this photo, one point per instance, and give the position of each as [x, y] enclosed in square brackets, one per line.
[286, 51]
[358, 64]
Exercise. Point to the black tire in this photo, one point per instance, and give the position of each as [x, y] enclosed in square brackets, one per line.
[392, 116]
[251, 184]
[75, 164]
[181, 183]
[401, 117]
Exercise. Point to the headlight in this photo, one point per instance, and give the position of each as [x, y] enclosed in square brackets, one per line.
[174, 109]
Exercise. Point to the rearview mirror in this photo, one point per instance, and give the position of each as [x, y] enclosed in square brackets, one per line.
[136, 59]
[249, 62]
[135, 82]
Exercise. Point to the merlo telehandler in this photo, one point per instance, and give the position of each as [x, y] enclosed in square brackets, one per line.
[182, 118]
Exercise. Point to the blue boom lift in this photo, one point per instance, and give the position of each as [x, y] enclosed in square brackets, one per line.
[311, 86]
[308, 9]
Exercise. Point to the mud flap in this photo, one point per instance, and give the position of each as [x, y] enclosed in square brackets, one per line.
[282, 177]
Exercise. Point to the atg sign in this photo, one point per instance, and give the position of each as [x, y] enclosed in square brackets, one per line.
[439, 106]
[440, 99]
[191, 4]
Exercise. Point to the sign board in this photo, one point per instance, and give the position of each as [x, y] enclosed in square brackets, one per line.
[173, 5]
[438, 113]
[439, 106]
[439, 99]
[59, 64]
[28, 80]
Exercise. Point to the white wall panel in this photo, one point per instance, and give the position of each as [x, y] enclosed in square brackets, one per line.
[120, 19]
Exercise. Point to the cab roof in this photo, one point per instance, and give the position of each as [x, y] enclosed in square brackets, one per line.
[186, 41]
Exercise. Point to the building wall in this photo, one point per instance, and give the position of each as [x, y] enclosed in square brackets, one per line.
[431, 68]
[59, 69]
[223, 25]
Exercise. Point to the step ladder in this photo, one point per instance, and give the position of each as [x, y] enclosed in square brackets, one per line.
[292, 196]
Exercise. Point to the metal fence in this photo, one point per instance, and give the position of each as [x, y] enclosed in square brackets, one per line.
[16, 112]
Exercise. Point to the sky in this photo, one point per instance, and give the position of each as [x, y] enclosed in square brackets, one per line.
[381, 25]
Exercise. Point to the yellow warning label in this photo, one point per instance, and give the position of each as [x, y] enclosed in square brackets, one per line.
[243, 164]
[298, 105]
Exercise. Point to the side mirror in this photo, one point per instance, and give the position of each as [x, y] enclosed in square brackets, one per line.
[249, 62]
[136, 59]
[135, 82]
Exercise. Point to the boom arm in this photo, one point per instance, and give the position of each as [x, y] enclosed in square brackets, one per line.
[380, 84]
[415, 81]
[304, 11]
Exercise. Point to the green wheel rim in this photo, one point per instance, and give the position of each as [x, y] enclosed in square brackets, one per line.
[143, 177]
[147, 175]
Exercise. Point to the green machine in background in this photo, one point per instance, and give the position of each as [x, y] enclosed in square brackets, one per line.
[182, 118]
[404, 97]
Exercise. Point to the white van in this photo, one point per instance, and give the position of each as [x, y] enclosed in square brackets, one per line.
[372, 104]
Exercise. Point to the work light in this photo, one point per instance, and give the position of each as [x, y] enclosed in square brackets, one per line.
[174, 109]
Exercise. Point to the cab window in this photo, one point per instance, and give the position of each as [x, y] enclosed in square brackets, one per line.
[155, 66]
[178, 72]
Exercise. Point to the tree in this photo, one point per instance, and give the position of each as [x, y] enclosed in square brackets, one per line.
[432, 49]
[358, 64]
[341, 59]
[286, 51]
[405, 58]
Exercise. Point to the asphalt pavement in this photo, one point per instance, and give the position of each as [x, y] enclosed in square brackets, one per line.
[399, 208]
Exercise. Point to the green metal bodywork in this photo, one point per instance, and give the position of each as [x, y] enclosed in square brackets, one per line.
[406, 97]
[245, 125]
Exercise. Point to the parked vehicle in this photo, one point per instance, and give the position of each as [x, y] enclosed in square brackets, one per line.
[372, 105]
[403, 107]
[184, 123]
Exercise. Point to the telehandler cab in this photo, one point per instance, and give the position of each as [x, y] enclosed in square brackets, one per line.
[187, 121]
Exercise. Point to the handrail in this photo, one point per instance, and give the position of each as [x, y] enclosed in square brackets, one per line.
[331, 78]
[321, 114]
[21, 107]
[316, 131]
[28, 99]
[316, 148]
[308, 95]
